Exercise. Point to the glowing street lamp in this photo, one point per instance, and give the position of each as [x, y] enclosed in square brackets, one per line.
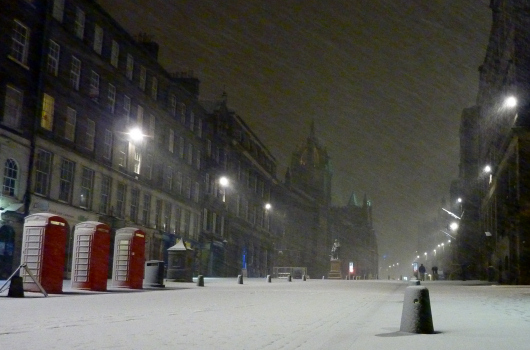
[268, 206]
[453, 226]
[510, 102]
[136, 134]
[487, 169]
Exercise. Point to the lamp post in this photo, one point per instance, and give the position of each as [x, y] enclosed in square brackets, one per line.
[224, 183]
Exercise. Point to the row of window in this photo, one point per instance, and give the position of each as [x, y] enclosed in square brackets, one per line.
[124, 202]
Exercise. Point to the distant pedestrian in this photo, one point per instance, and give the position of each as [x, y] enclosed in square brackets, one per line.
[422, 270]
[435, 272]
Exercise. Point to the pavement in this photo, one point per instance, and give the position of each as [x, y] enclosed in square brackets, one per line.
[312, 314]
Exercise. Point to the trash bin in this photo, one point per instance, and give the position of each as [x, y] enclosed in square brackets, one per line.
[154, 273]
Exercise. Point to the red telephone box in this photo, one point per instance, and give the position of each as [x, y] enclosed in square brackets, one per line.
[129, 258]
[43, 251]
[90, 256]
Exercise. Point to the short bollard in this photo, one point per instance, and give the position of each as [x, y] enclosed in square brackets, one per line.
[416, 316]
[16, 289]
[269, 278]
[239, 279]
[200, 281]
[304, 278]
[289, 278]
[415, 282]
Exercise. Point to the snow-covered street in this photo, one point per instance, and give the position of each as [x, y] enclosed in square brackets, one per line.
[312, 314]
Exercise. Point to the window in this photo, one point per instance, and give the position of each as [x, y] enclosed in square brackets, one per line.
[66, 180]
[168, 178]
[112, 98]
[208, 148]
[20, 43]
[198, 160]
[135, 204]
[120, 199]
[199, 128]
[69, 125]
[130, 67]
[79, 24]
[140, 116]
[196, 192]
[146, 210]
[58, 10]
[115, 54]
[9, 187]
[177, 219]
[87, 186]
[158, 214]
[46, 120]
[182, 113]
[173, 105]
[192, 120]
[181, 147]
[43, 165]
[152, 122]
[143, 78]
[127, 106]
[94, 86]
[171, 140]
[54, 52]
[148, 166]
[13, 107]
[187, 188]
[137, 161]
[190, 154]
[122, 153]
[75, 73]
[90, 134]
[107, 144]
[154, 88]
[179, 183]
[167, 216]
[104, 198]
[98, 38]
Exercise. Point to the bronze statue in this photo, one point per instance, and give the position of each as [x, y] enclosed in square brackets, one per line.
[335, 250]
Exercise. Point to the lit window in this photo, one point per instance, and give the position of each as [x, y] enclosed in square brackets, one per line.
[53, 58]
[115, 53]
[140, 117]
[112, 98]
[152, 122]
[69, 128]
[182, 113]
[79, 25]
[75, 73]
[48, 104]
[148, 166]
[13, 107]
[190, 153]
[98, 39]
[130, 67]
[122, 154]
[20, 43]
[169, 178]
[143, 77]
[146, 211]
[58, 10]
[10, 178]
[120, 200]
[127, 107]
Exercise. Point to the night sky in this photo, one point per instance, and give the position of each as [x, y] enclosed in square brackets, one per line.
[384, 80]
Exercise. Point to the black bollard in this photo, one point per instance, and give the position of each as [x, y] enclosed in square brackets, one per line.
[304, 278]
[16, 289]
[200, 281]
[269, 278]
[289, 278]
[239, 279]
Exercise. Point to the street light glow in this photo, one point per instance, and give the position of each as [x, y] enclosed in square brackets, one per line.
[136, 134]
[268, 206]
[223, 181]
[459, 200]
[510, 102]
[487, 169]
[453, 226]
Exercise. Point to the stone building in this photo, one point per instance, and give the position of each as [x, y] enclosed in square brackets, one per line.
[502, 237]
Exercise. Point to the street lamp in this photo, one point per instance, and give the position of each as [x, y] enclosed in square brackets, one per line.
[453, 226]
[268, 206]
[487, 169]
[136, 134]
[510, 102]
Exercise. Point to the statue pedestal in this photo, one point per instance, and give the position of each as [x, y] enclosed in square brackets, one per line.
[334, 271]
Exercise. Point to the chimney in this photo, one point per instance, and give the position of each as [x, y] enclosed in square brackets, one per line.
[146, 41]
[189, 81]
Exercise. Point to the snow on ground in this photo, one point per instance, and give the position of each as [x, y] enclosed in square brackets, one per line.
[315, 314]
